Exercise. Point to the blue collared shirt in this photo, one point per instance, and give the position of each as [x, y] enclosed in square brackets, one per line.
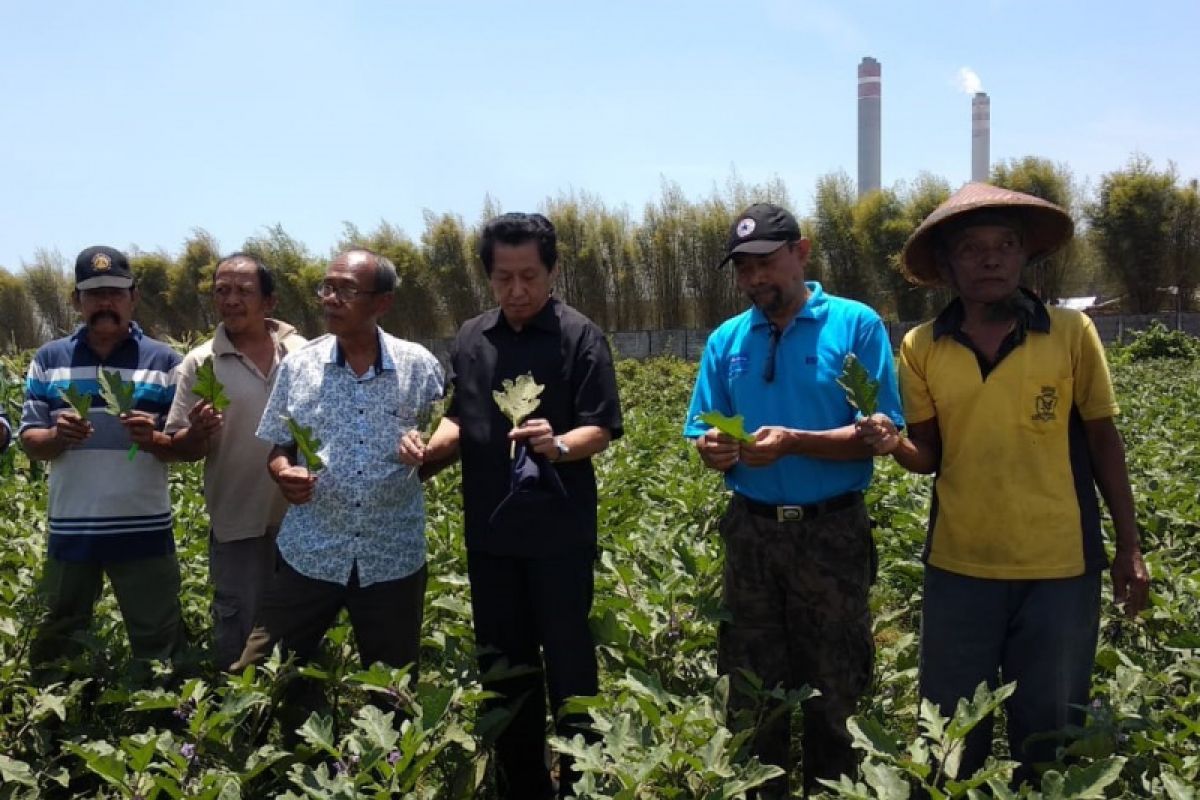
[368, 508]
[804, 393]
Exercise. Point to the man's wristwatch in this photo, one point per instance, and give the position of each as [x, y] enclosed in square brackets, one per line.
[561, 447]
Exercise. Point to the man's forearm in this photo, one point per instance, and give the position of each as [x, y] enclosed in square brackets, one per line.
[187, 446]
[1108, 464]
[836, 444]
[585, 442]
[442, 449]
[42, 444]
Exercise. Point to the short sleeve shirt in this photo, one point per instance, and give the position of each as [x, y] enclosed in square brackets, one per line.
[1014, 496]
[368, 509]
[107, 502]
[243, 501]
[803, 393]
[566, 353]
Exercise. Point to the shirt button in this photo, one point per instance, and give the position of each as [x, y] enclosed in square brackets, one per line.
[360, 411]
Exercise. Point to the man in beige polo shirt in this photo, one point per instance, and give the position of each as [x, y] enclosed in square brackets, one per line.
[244, 505]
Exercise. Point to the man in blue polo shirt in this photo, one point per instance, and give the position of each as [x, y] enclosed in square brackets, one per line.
[110, 512]
[799, 557]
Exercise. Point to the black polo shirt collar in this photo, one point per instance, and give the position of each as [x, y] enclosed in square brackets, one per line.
[1031, 316]
[546, 319]
[382, 359]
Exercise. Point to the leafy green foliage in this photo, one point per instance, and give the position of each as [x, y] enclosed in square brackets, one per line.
[208, 388]
[307, 443]
[80, 402]
[733, 427]
[862, 391]
[96, 726]
[1157, 341]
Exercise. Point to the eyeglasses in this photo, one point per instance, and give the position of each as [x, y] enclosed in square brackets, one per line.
[345, 294]
[769, 368]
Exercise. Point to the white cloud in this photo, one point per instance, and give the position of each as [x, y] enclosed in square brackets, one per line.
[968, 81]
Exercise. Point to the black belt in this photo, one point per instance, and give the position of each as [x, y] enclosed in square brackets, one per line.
[801, 512]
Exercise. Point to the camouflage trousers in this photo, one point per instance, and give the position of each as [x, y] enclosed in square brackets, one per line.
[796, 594]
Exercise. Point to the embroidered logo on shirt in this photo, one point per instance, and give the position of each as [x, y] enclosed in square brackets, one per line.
[1045, 404]
[738, 365]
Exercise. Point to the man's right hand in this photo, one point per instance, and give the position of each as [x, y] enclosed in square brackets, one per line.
[204, 420]
[70, 429]
[412, 448]
[297, 484]
[717, 451]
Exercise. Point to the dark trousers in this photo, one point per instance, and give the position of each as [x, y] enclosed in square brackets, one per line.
[240, 572]
[523, 605]
[147, 591]
[296, 611]
[796, 593]
[1040, 633]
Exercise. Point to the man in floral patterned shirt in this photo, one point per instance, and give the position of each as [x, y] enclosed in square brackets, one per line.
[354, 534]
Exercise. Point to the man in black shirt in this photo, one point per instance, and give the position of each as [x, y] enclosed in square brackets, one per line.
[529, 493]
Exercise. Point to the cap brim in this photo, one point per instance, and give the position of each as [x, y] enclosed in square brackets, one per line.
[105, 282]
[757, 247]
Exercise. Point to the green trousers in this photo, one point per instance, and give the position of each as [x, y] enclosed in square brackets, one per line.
[147, 592]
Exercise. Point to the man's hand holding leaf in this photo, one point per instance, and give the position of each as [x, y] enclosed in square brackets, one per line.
[517, 400]
[307, 444]
[73, 426]
[118, 396]
[862, 391]
[720, 446]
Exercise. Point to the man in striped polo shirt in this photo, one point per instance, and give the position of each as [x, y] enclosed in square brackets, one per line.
[110, 512]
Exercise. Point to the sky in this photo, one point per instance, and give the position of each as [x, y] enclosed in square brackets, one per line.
[133, 123]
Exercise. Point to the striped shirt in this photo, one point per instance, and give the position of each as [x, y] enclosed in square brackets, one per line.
[104, 506]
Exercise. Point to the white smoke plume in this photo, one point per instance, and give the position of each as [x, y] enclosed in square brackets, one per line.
[968, 82]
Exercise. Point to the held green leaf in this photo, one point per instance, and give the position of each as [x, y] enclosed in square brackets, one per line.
[733, 427]
[208, 388]
[306, 442]
[862, 391]
[518, 399]
[117, 394]
[80, 402]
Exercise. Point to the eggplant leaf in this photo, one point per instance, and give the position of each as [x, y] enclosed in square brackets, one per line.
[80, 402]
[733, 427]
[208, 388]
[117, 394]
[862, 391]
[518, 399]
[307, 443]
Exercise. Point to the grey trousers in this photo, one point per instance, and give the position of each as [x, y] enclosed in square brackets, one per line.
[240, 572]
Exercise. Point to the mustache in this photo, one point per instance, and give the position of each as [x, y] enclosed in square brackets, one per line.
[99, 315]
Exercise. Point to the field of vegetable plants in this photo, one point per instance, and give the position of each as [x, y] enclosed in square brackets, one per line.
[94, 727]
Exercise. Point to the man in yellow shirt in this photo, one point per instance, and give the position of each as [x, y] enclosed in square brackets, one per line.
[1010, 404]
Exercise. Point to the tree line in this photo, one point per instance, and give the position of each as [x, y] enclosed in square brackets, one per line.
[1138, 237]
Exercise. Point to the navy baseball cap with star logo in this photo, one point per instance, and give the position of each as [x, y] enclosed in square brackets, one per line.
[761, 229]
[99, 267]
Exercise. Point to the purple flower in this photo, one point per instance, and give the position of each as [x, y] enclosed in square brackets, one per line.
[188, 750]
[339, 767]
[393, 757]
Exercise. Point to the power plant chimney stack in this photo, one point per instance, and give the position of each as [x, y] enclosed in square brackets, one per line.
[981, 137]
[869, 124]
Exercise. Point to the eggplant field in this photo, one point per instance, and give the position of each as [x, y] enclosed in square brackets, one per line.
[99, 726]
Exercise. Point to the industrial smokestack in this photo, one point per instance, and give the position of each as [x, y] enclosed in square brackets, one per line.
[981, 137]
[870, 88]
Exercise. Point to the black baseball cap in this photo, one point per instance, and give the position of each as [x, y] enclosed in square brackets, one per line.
[98, 267]
[760, 229]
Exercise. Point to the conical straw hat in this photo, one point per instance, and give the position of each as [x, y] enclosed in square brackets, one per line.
[1045, 226]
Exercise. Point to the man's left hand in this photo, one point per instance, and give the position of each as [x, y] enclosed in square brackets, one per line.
[538, 436]
[141, 427]
[1130, 580]
[771, 443]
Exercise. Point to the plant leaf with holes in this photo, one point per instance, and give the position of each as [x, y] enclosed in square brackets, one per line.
[733, 427]
[518, 399]
[862, 391]
[208, 388]
[307, 443]
[80, 402]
